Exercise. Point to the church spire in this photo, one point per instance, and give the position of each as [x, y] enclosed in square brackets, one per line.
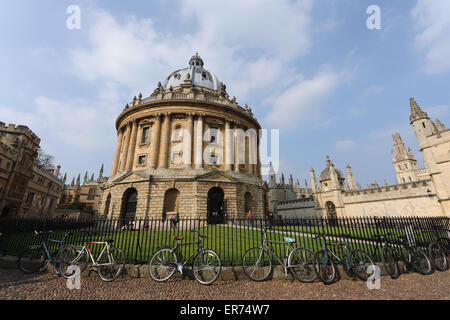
[416, 112]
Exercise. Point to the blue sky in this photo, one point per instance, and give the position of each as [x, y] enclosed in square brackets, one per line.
[310, 68]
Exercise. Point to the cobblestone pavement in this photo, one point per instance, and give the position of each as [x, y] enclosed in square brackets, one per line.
[15, 285]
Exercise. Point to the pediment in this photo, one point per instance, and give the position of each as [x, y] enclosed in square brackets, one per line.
[131, 177]
[216, 176]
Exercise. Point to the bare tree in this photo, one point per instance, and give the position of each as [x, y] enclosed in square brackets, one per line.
[44, 161]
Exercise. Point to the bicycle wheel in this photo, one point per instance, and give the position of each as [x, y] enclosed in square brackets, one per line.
[206, 267]
[445, 242]
[438, 256]
[389, 262]
[324, 267]
[301, 265]
[73, 256]
[111, 264]
[419, 261]
[32, 259]
[162, 264]
[257, 264]
[360, 263]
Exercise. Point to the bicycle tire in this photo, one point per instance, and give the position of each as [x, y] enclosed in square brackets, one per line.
[360, 263]
[111, 269]
[257, 260]
[419, 261]
[76, 256]
[389, 262]
[324, 267]
[445, 242]
[438, 256]
[206, 262]
[32, 259]
[301, 265]
[162, 261]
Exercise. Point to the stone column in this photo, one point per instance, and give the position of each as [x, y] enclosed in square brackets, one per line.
[199, 143]
[154, 141]
[165, 139]
[123, 158]
[248, 166]
[187, 140]
[117, 153]
[132, 146]
[228, 145]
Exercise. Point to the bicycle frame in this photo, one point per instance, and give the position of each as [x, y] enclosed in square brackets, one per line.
[266, 245]
[95, 261]
[329, 251]
[199, 244]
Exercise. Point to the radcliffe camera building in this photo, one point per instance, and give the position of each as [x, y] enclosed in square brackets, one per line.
[187, 150]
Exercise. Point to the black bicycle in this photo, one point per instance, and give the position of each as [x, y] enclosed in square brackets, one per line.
[415, 258]
[354, 262]
[387, 255]
[206, 265]
[439, 249]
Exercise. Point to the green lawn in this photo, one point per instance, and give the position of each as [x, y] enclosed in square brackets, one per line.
[230, 242]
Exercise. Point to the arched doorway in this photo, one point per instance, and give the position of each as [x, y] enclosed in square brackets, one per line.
[215, 208]
[248, 202]
[129, 204]
[331, 213]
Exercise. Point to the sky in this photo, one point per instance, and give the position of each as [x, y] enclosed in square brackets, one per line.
[312, 69]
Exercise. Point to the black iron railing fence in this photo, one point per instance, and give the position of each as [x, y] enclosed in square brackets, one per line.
[230, 239]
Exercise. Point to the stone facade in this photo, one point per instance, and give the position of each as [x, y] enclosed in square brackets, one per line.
[415, 192]
[25, 190]
[82, 196]
[187, 150]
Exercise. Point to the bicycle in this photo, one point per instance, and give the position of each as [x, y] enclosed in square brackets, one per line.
[37, 257]
[109, 263]
[439, 249]
[355, 262]
[257, 262]
[206, 265]
[387, 256]
[415, 258]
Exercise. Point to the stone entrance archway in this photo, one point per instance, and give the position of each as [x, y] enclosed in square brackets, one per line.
[129, 204]
[215, 206]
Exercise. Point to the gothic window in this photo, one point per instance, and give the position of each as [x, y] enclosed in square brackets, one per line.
[91, 195]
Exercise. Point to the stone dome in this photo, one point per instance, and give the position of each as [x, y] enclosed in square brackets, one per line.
[199, 76]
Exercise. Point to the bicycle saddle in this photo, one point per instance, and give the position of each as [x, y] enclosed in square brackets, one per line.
[289, 240]
[178, 238]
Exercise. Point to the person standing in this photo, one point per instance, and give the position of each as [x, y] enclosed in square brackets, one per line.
[250, 218]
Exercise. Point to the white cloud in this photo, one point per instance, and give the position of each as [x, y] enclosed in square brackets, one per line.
[302, 101]
[432, 19]
[244, 43]
[345, 145]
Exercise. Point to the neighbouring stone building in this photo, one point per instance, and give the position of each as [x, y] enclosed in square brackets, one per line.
[80, 198]
[25, 190]
[415, 192]
[187, 150]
